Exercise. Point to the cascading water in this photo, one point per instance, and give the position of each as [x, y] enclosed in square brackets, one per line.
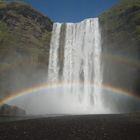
[75, 62]
[74, 80]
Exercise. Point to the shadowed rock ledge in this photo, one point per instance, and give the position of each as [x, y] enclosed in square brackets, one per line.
[7, 110]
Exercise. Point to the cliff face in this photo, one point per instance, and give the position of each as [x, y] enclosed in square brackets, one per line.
[121, 45]
[25, 38]
[24, 46]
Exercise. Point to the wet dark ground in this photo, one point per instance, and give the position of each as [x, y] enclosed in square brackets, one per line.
[82, 127]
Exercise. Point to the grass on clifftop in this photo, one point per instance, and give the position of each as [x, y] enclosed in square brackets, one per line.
[122, 22]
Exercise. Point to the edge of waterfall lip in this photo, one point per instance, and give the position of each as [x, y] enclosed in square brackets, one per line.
[86, 19]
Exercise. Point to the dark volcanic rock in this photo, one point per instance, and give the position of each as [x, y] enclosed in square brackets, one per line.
[11, 110]
[89, 127]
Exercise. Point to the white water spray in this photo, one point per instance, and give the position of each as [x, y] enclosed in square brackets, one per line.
[75, 59]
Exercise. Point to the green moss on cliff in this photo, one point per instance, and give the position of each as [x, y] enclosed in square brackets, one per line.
[25, 25]
[121, 39]
[24, 46]
[122, 22]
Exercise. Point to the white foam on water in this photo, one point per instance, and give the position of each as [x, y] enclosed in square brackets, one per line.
[79, 44]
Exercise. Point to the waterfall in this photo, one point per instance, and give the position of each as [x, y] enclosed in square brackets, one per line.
[75, 61]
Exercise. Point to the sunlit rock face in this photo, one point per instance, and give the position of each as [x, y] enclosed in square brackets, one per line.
[75, 59]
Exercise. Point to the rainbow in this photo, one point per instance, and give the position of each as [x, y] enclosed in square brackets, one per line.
[122, 59]
[117, 58]
[37, 88]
